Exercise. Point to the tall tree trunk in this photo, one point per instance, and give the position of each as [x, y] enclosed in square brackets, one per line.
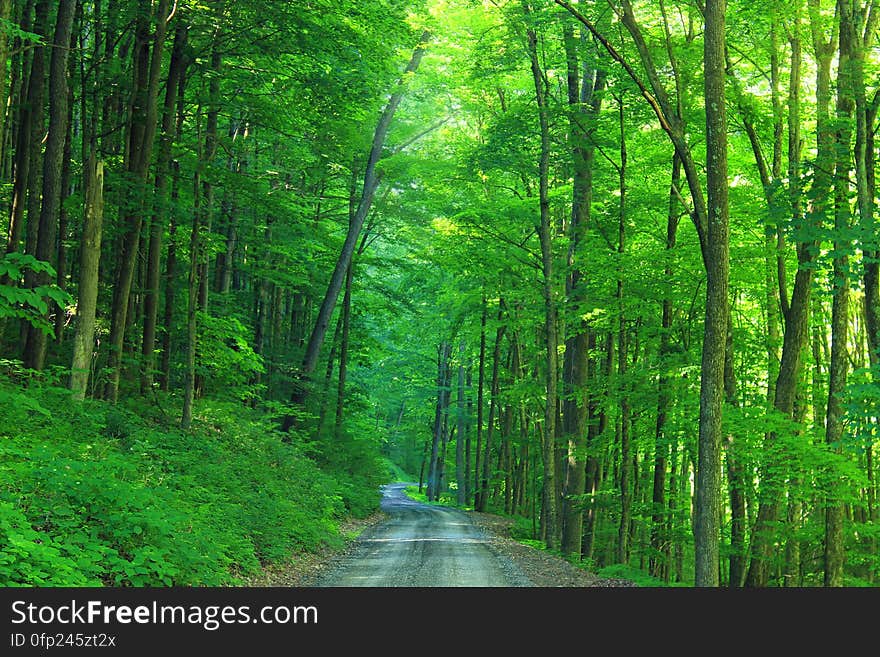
[203, 207]
[195, 248]
[626, 468]
[67, 189]
[170, 280]
[599, 374]
[708, 479]
[141, 134]
[171, 259]
[505, 457]
[493, 405]
[370, 183]
[35, 354]
[870, 241]
[792, 576]
[545, 232]
[481, 381]
[735, 476]
[36, 99]
[90, 255]
[212, 125]
[29, 107]
[343, 349]
[846, 78]
[160, 205]
[796, 314]
[435, 465]
[460, 479]
[5, 15]
[660, 540]
[575, 370]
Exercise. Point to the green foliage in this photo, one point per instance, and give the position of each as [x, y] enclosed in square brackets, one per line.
[28, 303]
[623, 571]
[354, 459]
[522, 529]
[446, 498]
[413, 493]
[91, 495]
[395, 472]
[225, 357]
[14, 31]
[32, 558]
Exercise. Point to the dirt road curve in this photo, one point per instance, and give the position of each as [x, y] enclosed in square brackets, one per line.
[422, 545]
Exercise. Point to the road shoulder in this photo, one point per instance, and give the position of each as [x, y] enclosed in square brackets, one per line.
[542, 568]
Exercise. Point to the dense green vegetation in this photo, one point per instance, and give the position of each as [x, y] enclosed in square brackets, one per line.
[609, 267]
[98, 494]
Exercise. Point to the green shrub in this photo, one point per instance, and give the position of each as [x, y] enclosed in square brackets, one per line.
[91, 495]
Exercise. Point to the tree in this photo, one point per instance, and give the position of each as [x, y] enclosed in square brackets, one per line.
[370, 184]
[716, 257]
[90, 253]
[141, 131]
[35, 350]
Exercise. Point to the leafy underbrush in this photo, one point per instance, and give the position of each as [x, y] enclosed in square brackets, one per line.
[446, 498]
[92, 494]
[640, 577]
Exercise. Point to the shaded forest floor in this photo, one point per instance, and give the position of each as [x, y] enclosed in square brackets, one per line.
[542, 568]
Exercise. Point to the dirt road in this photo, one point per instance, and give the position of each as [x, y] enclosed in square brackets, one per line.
[422, 545]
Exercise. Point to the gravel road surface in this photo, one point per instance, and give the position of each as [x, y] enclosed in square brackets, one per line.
[422, 545]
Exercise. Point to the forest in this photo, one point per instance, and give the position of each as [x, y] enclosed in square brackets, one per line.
[608, 267]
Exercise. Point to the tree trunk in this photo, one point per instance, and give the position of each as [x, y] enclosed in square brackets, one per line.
[434, 465]
[5, 15]
[600, 374]
[371, 182]
[575, 370]
[797, 313]
[735, 476]
[460, 479]
[870, 243]
[659, 562]
[343, 348]
[708, 479]
[195, 249]
[212, 124]
[170, 280]
[550, 311]
[792, 576]
[424, 462]
[493, 404]
[328, 377]
[90, 255]
[29, 107]
[203, 207]
[67, 189]
[141, 133]
[36, 98]
[160, 204]
[847, 75]
[626, 469]
[35, 354]
[481, 377]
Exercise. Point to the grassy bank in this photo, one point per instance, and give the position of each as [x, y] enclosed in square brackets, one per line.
[94, 494]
